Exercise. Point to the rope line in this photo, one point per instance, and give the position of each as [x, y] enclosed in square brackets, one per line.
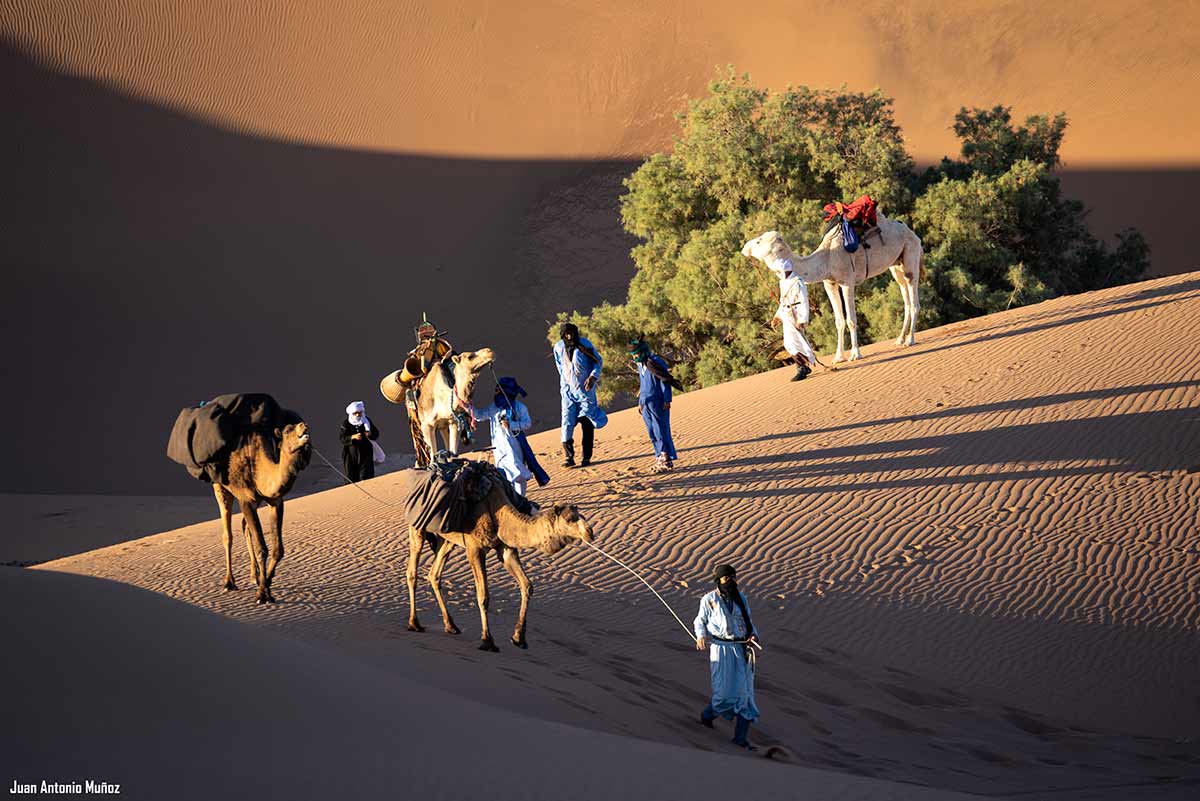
[639, 578]
[352, 482]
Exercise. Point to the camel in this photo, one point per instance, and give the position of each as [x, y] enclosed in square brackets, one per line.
[499, 527]
[893, 247]
[255, 476]
[437, 400]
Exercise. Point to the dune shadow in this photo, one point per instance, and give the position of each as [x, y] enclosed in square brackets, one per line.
[1016, 404]
[1155, 441]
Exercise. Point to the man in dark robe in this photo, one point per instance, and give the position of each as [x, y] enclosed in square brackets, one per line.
[357, 434]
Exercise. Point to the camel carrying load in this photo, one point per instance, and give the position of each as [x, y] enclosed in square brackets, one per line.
[436, 385]
[251, 450]
[471, 505]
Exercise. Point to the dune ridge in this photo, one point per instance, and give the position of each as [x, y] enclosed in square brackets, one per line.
[973, 560]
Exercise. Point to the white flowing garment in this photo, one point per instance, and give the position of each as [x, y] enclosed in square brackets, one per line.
[794, 311]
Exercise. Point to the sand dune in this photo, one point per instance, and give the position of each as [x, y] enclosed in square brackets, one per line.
[973, 562]
[307, 722]
[580, 80]
[272, 194]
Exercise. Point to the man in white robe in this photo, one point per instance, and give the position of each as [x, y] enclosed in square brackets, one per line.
[793, 313]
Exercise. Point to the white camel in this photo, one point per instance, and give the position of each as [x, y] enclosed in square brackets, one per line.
[893, 247]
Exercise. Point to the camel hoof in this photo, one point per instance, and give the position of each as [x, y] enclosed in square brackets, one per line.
[521, 643]
[415, 626]
[839, 359]
[488, 645]
[229, 586]
[452, 629]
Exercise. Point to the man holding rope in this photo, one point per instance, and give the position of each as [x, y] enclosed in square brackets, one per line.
[724, 628]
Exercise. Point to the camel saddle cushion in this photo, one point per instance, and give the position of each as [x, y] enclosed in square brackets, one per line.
[203, 436]
[441, 495]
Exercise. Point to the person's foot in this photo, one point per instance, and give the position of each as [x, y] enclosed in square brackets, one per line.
[706, 721]
[802, 373]
[568, 462]
[585, 463]
[745, 744]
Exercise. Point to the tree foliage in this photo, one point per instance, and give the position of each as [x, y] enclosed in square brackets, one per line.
[997, 231]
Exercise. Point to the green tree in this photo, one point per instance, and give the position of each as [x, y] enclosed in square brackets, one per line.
[746, 161]
[996, 229]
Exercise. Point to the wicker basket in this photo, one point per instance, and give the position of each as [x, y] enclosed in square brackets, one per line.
[391, 388]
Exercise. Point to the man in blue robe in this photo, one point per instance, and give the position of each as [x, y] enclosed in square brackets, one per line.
[654, 402]
[724, 628]
[578, 366]
[509, 418]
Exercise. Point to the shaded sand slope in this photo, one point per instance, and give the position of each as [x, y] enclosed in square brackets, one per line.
[120, 685]
[973, 561]
[195, 261]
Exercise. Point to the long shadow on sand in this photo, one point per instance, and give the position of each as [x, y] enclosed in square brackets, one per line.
[1162, 440]
[1175, 293]
[1016, 404]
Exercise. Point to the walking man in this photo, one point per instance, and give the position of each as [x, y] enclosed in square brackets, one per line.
[793, 313]
[578, 366]
[724, 628]
[654, 402]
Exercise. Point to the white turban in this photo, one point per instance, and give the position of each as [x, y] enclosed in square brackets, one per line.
[780, 267]
[356, 413]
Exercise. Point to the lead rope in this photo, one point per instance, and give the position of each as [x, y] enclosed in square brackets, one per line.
[352, 482]
[746, 641]
[639, 578]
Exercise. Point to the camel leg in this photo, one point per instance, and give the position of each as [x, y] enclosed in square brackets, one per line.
[435, 581]
[415, 540]
[475, 558]
[276, 540]
[512, 563]
[912, 275]
[897, 271]
[224, 502]
[255, 567]
[429, 432]
[839, 319]
[452, 438]
[259, 549]
[851, 320]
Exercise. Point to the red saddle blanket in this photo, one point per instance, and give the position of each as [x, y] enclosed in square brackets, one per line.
[860, 211]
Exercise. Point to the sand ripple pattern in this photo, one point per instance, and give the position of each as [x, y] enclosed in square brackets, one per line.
[944, 541]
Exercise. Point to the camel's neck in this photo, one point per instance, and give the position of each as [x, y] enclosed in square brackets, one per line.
[274, 478]
[520, 530]
[812, 268]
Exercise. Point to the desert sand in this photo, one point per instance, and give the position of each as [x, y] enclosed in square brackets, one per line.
[973, 563]
[256, 197]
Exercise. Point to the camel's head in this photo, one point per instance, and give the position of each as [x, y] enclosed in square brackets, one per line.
[567, 524]
[468, 366]
[767, 248]
[295, 442]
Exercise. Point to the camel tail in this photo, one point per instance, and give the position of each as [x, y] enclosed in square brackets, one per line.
[921, 267]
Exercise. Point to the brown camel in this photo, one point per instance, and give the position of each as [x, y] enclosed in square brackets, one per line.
[255, 476]
[499, 527]
[437, 400]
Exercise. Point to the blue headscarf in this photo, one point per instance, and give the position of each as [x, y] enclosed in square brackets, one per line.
[507, 389]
